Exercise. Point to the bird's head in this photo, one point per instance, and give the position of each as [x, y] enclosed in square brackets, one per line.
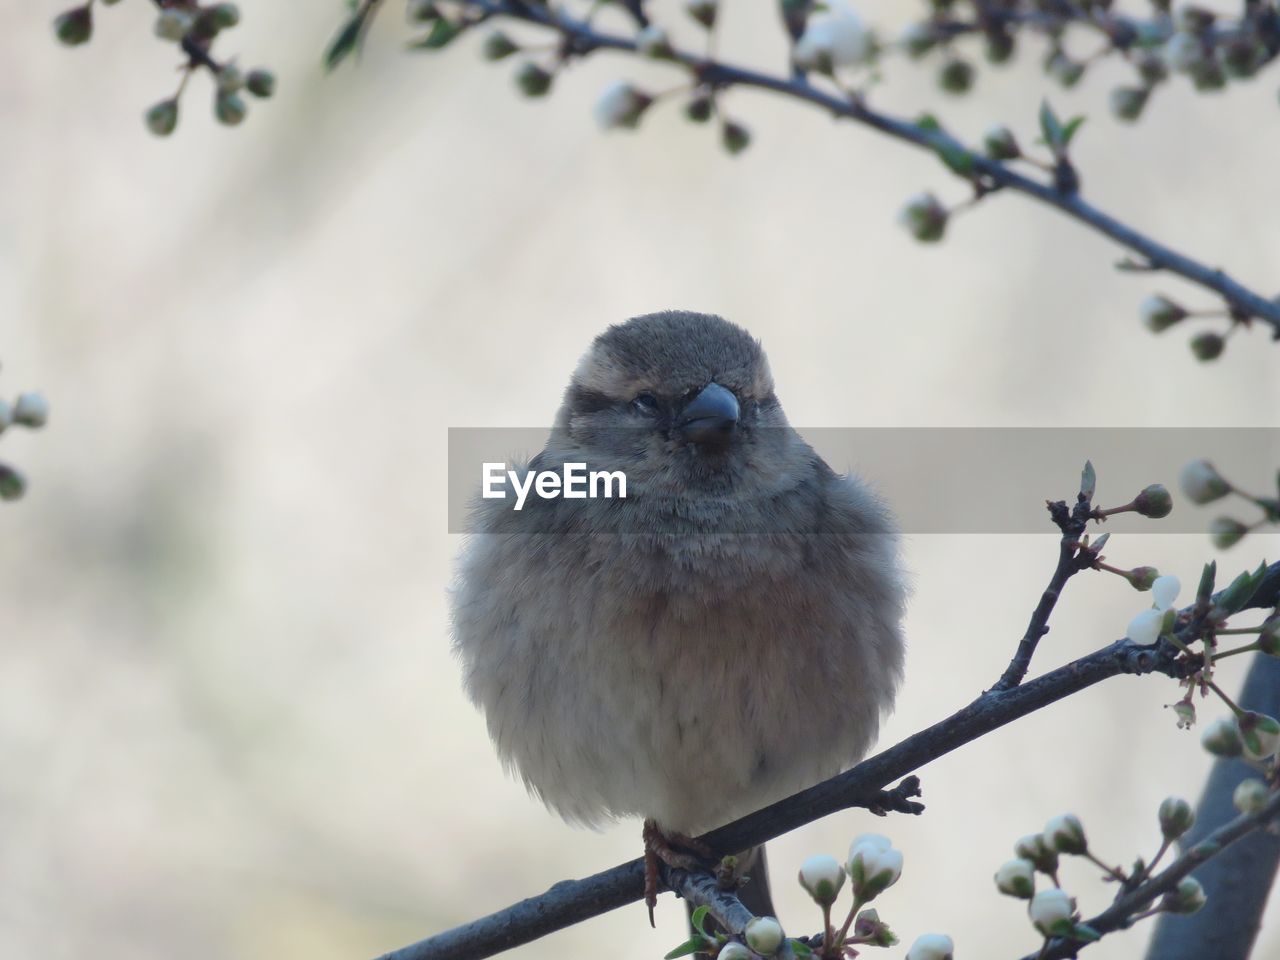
[677, 397]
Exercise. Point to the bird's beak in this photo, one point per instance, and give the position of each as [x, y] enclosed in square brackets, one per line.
[710, 416]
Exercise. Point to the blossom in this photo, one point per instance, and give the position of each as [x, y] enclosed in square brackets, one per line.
[874, 866]
[763, 935]
[822, 876]
[621, 106]
[1065, 834]
[931, 946]
[1160, 313]
[833, 40]
[1017, 878]
[1202, 483]
[1051, 910]
[1145, 628]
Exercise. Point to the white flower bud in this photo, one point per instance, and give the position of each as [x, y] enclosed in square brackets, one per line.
[1144, 629]
[621, 106]
[1250, 795]
[1032, 847]
[822, 876]
[1065, 834]
[763, 935]
[173, 24]
[874, 866]
[230, 78]
[924, 217]
[733, 950]
[1160, 313]
[1221, 737]
[1259, 735]
[1017, 878]
[1000, 143]
[1176, 817]
[31, 410]
[1226, 532]
[1187, 898]
[1165, 590]
[834, 40]
[931, 946]
[1051, 910]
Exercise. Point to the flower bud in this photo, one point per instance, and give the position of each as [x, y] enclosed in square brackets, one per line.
[1208, 75]
[918, 39]
[422, 11]
[1127, 103]
[31, 410]
[1188, 897]
[73, 27]
[1226, 532]
[1185, 711]
[1152, 69]
[698, 109]
[925, 218]
[532, 80]
[1221, 737]
[1269, 636]
[1201, 483]
[12, 484]
[956, 76]
[6, 415]
[1142, 578]
[230, 78]
[173, 24]
[874, 866]
[1259, 735]
[1160, 313]
[1052, 911]
[1183, 53]
[931, 946]
[1065, 70]
[261, 83]
[822, 876]
[734, 137]
[763, 935]
[1017, 878]
[997, 46]
[162, 118]
[704, 11]
[654, 42]
[1065, 834]
[1154, 502]
[1250, 795]
[1000, 144]
[1176, 817]
[733, 950]
[497, 46]
[1208, 346]
[1240, 56]
[621, 107]
[226, 15]
[1033, 848]
[869, 928]
[229, 108]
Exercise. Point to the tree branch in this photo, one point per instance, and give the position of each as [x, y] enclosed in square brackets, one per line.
[581, 39]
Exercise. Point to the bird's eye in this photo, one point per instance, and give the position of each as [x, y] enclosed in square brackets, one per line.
[645, 403]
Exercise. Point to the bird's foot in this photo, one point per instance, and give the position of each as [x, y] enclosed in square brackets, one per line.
[675, 850]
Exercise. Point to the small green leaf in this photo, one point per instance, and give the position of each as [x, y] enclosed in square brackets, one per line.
[929, 123]
[344, 43]
[1207, 579]
[1050, 128]
[443, 32]
[957, 159]
[800, 948]
[1088, 480]
[1085, 933]
[692, 945]
[699, 918]
[1070, 129]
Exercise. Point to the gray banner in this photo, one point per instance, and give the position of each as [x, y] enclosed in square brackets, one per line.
[936, 480]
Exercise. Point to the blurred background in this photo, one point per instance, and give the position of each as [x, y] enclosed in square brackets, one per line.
[230, 723]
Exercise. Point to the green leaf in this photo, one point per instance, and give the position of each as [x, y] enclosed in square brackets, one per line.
[1088, 480]
[699, 918]
[928, 123]
[1050, 128]
[1207, 579]
[957, 159]
[800, 948]
[692, 945]
[1070, 129]
[344, 43]
[443, 32]
[1085, 933]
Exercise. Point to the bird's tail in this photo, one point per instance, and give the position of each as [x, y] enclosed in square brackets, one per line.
[755, 893]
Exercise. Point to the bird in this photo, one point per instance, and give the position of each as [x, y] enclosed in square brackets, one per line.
[726, 634]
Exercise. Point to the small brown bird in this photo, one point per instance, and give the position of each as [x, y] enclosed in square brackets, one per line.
[725, 635]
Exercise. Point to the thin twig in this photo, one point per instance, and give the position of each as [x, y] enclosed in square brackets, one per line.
[583, 39]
